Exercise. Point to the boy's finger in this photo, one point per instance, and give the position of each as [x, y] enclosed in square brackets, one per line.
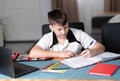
[83, 52]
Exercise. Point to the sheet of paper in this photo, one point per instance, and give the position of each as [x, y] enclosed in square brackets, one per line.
[79, 61]
[107, 56]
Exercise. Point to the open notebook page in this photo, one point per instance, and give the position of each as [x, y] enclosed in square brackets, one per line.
[79, 61]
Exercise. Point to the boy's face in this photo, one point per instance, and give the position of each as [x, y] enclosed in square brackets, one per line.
[60, 31]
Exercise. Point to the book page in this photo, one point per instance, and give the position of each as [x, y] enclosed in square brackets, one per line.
[80, 61]
[107, 56]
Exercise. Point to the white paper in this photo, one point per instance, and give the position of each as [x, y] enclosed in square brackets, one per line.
[79, 61]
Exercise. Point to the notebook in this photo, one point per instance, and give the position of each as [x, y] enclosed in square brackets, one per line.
[104, 69]
[80, 61]
[10, 68]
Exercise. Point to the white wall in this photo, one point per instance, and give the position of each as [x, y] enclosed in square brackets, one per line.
[1, 36]
[87, 9]
[2, 3]
[24, 18]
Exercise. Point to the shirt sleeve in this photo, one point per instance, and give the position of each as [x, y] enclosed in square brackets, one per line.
[86, 40]
[44, 42]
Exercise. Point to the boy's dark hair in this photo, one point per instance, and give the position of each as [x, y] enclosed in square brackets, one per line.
[57, 16]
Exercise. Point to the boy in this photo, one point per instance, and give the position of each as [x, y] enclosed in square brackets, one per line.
[64, 42]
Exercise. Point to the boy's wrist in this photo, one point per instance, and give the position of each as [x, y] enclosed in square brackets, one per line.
[58, 54]
[92, 52]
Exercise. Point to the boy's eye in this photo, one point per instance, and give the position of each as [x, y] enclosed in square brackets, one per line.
[59, 29]
[65, 27]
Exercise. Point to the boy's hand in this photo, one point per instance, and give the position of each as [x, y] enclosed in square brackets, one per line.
[45, 58]
[66, 54]
[86, 53]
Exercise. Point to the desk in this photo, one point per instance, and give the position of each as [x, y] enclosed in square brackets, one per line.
[71, 74]
[51, 80]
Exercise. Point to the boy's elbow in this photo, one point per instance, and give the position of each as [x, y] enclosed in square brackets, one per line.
[103, 48]
[32, 53]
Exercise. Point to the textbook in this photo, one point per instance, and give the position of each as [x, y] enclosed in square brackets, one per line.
[103, 69]
[80, 61]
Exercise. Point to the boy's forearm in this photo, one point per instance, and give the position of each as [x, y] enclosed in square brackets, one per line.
[37, 52]
[99, 50]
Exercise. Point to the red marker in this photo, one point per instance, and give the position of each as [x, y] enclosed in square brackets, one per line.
[15, 55]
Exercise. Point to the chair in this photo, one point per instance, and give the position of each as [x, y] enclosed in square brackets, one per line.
[110, 37]
[97, 21]
[77, 25]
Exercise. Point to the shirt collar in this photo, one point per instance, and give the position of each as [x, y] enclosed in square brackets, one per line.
[70, 37]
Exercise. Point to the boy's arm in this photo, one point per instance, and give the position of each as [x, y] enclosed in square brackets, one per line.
[38, 52]
[96, 49]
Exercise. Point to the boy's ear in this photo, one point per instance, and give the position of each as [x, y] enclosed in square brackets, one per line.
[50, 27]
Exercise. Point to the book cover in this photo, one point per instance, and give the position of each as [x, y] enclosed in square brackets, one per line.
[104, 69]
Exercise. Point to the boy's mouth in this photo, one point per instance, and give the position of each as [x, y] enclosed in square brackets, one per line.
[63, 36]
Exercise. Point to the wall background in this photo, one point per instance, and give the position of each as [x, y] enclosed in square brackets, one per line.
[25, 17]
[87, 9]
[22, 19]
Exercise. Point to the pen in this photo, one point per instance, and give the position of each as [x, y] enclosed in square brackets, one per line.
[54, 71]
[85, 51]
[44, 67]
[54, 66]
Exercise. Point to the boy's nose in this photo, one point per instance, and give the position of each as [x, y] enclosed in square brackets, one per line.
[63, 31]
